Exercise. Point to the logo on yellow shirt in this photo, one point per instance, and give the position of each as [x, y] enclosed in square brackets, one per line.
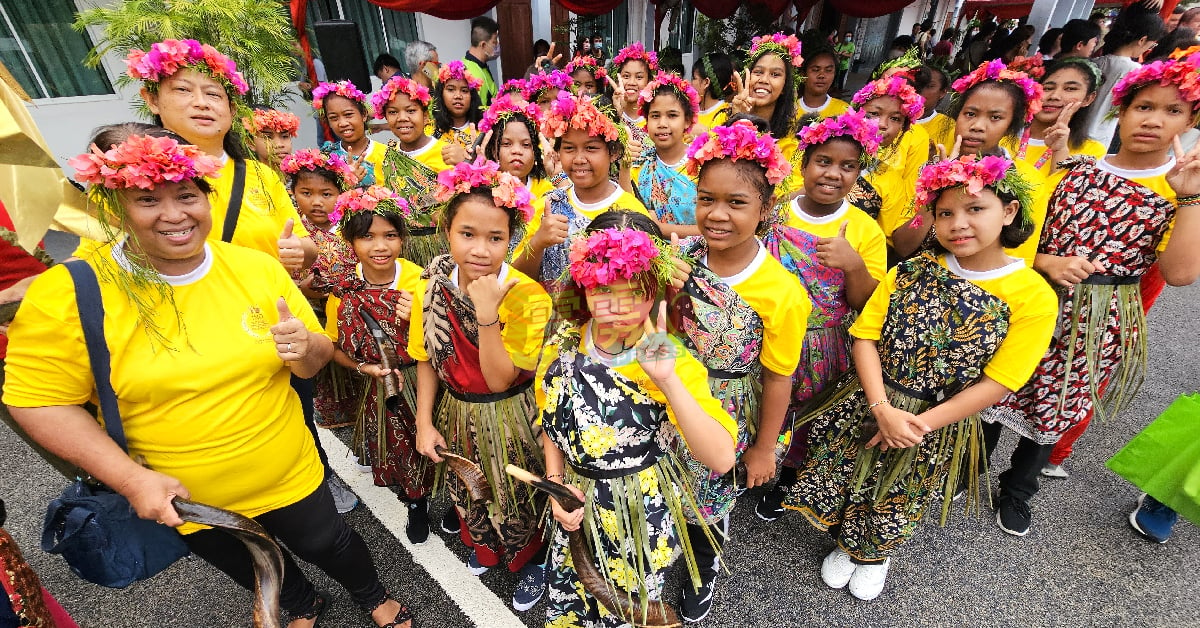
[259, 200]
[256, 324]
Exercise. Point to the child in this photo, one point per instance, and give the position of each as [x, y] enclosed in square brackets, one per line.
[272, 131]
[588, 76]
[841, 260]
[942, 338]
[741, 309]
[1059, 130]
[818, 70]
[588, 143]
[1109, 220]
[344, 110]
[635, 67]
[769, 88]
[613, 389]
[476, 330]
[668, 105]
[543, 88]
[510, 131]
[712, 78]
[456, 105]
[932, 84]
[372, 222]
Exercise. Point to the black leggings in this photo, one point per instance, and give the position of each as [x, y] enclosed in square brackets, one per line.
[306, 390]
[312, 529]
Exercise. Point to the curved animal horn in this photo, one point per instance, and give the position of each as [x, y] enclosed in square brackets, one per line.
[471, 475]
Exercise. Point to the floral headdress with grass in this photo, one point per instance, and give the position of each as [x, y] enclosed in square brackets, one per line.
[786, 46]
[995, 70]
[272, 120]
[853, 124]
[171, 55]
[542, 81]
[1034, 66]
[896, 86]
[606, 256]
[905, 65]
[512, 86]
[974, 174]
[345, 89]
[739, 140]
[576, 112]
[589, 63]
[399, 85]
[683, 89]
[312, 160]
[375, 199]
[636, 52]
[507, 190]
[505, 108]
[1183, 73]
[457, 70]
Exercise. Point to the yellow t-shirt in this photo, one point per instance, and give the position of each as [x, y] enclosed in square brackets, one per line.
[408, 279]
[940, 128]
[266, 206]
[1153, 178]
[895, 178]
[619, 198]
[1043, 187]
[524, 316]
[1033, 312]
[788, 146]
[1037, 148]
[862, 232]
[217, 411]
[832, 107]
[375, 154]
[713, 116]
[539, 188]
[691, 372]
[430, 155]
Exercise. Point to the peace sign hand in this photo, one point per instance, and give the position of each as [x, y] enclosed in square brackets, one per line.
[619, 101]
[548, 58]
[941, 149]
[1184, 177]
[655, 351]
[1060, 131]
[741, 102]
[682, 269]
[358, 167]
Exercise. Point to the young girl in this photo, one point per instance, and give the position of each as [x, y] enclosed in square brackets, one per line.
[840, 257]
[456, 105]
[543, 88]
[372, 222]
[635, 67]
[769, 88]
[932, 84]
[1109, 220]
[741, 309]
[668, 105]
[712, 78]
[614, 389]
[477, 328]
[272, 131]
[344, 110]
[589, 77]
[818, 70]
[942, 338]
[588, 143]
[1059, 130]
[510, 129]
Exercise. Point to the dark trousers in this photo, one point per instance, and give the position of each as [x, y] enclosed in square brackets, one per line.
[1021, 480]
[312, 530]
[306, 389]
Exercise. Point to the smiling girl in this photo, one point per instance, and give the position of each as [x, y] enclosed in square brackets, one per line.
[769, 88]
[884, 444]
[1059, 130]
[635, 67]
[668, 104]
[343, 109]
[456, 105]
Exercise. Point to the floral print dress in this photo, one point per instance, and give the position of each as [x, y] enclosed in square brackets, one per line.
[338, 391]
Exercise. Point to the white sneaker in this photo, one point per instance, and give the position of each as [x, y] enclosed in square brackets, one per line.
[1055, 471]
[362, 468]
[867, 582]
[837, 568]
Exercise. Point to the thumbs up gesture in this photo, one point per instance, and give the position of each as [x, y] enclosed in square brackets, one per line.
[291, 251]
[290, 334]
[551, 231]
[836, 252]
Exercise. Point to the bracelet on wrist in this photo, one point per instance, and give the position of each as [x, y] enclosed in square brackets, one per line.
[885, 402]
[1184, 201]
[558, 178]
[491, 324]
[359, 367]
[557, 475]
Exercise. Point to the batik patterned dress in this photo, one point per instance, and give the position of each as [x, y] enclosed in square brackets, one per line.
[338, 392]
[666, 190]
[554, 258]
[613, 426]
[416, 182]
[1100, 343]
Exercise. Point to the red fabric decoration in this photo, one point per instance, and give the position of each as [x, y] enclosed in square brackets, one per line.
[586, 7]
[1001, 9]
[855, 8]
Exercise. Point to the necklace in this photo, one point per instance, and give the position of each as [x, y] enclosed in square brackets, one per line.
[382, 284]
[623, 349]
[350, 149]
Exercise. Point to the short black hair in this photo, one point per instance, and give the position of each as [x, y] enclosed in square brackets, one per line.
[328, 175]
[108, 136]
[689, 114]
[1019, 100]
[1133, 23]
[1077, 32]
[361, 106]
[385, 60]
[925, 76]
[807, 156]
[359, 224]
[482, 29]
[1011, 235]
[1048, 39]
[482, 194]
[491, 150]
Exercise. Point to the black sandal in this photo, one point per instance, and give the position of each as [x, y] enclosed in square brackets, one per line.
[402, 615]
[320, 605]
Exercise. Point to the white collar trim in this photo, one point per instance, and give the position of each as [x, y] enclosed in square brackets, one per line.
[600, 204]
[720, 103]
[420, 151]
[807, 109]
[975, 275]
[748, 271]
[501, 277]
[821, 220]
[196, 274]
[1135, 174]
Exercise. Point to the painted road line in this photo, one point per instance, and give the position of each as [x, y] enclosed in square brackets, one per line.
[476, 601]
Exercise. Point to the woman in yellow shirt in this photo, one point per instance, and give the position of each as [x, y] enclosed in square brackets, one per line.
[768, 89]
[818, 70]
[207, 348]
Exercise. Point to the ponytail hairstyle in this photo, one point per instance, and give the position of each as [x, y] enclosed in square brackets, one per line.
[1131, 24]
[717, 67]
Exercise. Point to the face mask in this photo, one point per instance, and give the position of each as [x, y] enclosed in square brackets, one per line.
[496, 52]
[430, 70]
[598, 45]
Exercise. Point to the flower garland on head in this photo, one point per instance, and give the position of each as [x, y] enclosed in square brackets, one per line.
[345, 89]
[399, 85]
[974, 174]
[995, 70]
[589, 63]
[513, 86]
[505, 108]
[682, 88]
[272, 120]
[905, 65]
[896, 86]
[538, 83]
[171, 55]
[852, 124]
[1182, 73]
[376, 199]
[739, 140]
[786, 46]
[457, 70]
[606, 256]
[311, 159]
[636, 51]
[507, 190]
[575, 112]
[1034, 66]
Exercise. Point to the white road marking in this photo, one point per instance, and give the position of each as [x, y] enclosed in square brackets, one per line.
[476, 601]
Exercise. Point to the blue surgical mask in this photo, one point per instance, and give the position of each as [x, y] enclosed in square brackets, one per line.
[598, 45]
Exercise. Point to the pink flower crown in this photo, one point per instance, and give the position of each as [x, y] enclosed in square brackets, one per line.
[681, 87]
[506, 107]
[897, 87]
[142, 161]
[995, 70]
[507, 190]
[1182, 73]
[345, 89]
[311, 159]
[853, 124]
[1033, 66]
[589, 63]
[399, 85]
[512, 86]
[171, 55]
[457, 70]
[606, 256]
[376, 199]
[542, 81]
[739, 140]
[786, 46]
[272, 120]
[636, 51]
[966, 171]
[575, 112]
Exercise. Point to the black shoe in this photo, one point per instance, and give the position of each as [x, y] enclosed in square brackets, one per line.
[316, 611]
[770, 507]
[450, 521]
[697, 603]
[1013, 515]
[417, 528]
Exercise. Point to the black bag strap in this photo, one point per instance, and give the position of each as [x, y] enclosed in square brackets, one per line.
[235, 200]
[91, 318]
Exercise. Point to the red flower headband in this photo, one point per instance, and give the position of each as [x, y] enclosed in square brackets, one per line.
[995, 70]
[311, 159]
[897, 87]
[142, 161]
[1183, 73]
[574, 112]
[395, 86]
[973, 174]
[458, 70]
[1033, 66]
[507, 190]
[171, 55]
[681, 87]
[589, 63]
[272, 120]
[739, 140]
[504, 108]
[786, 46]
[542, 81]
[606, 256]
[853, 124]
[376, 199]
[345, 89]
[636, 51]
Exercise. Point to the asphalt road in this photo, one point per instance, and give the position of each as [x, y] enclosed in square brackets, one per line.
[1080, 565]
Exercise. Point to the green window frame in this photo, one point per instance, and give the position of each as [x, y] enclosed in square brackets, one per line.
[44, 54]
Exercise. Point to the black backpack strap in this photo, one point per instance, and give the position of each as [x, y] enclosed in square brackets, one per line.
[91, 318]
[235, 200]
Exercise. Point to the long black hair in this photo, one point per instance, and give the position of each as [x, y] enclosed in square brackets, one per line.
[720, 79]
[1079, 122]
[1131, 24]
[783, 120]
[442, 122]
